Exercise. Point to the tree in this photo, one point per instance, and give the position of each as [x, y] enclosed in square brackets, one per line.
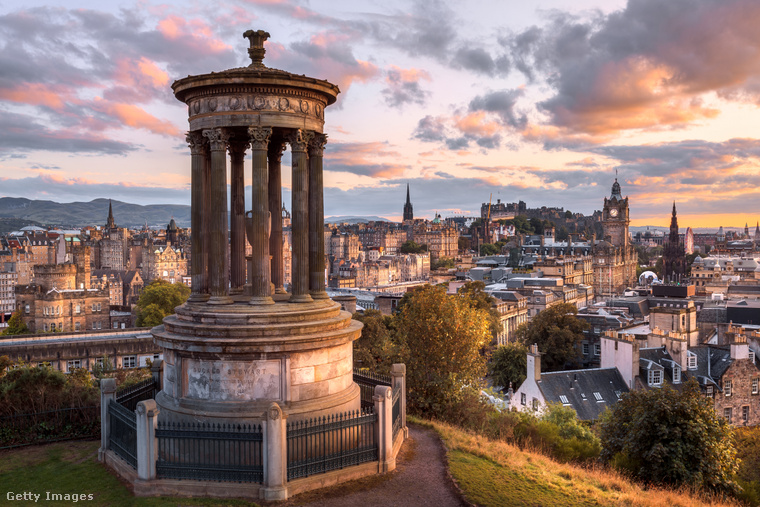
[159, 299]
[475, 295]
[410, 247]
[441, 337]
[489, 249]
[670, 437]
[16, 325]
[558, 334]
[568, 215]
[375, 348]
[442, 263]
[463, 244]
[508, 365]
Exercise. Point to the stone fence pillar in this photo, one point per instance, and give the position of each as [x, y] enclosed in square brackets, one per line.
[147, 445]
[275, 454]
[156, 371]
[384, 429]
[107, 393]
[398, 372]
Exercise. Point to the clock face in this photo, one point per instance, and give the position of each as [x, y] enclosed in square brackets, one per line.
[613, 212]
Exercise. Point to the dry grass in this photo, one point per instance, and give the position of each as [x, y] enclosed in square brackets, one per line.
[494, 473]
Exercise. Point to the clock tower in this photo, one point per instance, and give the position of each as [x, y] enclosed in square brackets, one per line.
[615, 217]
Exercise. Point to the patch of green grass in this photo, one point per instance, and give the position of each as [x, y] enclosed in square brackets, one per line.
[72, 468]
[488, 483]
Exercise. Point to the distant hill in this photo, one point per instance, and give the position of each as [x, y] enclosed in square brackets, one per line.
[354, 220]
[95, 212]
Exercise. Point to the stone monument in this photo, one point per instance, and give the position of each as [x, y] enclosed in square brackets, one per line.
[235, 346]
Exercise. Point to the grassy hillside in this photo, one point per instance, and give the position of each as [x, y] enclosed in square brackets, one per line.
[493, 473]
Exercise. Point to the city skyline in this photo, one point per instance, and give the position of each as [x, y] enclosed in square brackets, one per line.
[544, 103]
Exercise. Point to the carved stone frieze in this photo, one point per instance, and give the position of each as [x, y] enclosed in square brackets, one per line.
[241, 102]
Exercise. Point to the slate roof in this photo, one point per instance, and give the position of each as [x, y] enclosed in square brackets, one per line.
[719, 362]
[589, 392]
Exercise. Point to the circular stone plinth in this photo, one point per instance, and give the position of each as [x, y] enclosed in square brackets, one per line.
[228, 363]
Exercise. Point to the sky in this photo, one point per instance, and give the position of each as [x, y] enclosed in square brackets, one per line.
[544, 101]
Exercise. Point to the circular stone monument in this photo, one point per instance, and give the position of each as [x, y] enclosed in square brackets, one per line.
[236, 346]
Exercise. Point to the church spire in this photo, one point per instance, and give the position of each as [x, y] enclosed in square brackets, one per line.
[110, 222]
[408, 209]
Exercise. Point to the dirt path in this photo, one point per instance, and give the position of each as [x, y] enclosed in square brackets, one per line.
[420, 479]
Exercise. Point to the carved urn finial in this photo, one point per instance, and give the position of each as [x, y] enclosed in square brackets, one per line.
[256, 51]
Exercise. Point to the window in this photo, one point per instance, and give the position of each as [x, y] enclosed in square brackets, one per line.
[655, 377]
[709, 390]
[75, 363]
[617, 393]
[597, 349]
[99, 362]
[598, 397]
[727, 387]
[128, 362]
[727, 413]
[77, 326]
[676, 375]
[78, 309]
[535, 404]
[752, 356]
[755, 389]
[583, 396]
[26, 309]
[692, 362]
[563, 399]
[46, 327]
[523, 399]
[98, 306]
[585, 348]
[745, 414]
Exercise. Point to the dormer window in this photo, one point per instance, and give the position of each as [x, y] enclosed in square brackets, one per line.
[709, 390]
[692, 362]
[752, 356]
[655, 377]
[676, 375]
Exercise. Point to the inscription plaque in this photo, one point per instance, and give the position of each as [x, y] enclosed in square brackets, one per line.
[233, 380]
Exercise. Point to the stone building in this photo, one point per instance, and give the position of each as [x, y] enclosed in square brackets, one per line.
[408, 208]
[164, 262]
[513, 312]
[441, 238]
[60, 299]
[615, 259]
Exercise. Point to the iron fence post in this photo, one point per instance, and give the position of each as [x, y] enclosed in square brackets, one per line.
[276, 461]
[384, 428]
[398, 372]
[147, 420]
[107, 393]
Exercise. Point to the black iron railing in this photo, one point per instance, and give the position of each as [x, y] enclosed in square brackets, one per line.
[367, 381]
[122, 437]
[134, 394]
[396, 411]
[333, 442]
[210, 452]
[18, 430]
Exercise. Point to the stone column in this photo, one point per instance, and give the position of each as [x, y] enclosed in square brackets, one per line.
[275, 455]
[398, 372]
[276, 148]
[157, 371]
[147, 445]
[237, 147]
[261, 291]
[316, 218]
[298, 141]
[198, 260]
[383, 399]
[217, 215]
[107, 393]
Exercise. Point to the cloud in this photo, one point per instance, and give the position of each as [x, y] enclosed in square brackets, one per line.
[647, 66]
[364, 159]
[502, 103]
[403, 86]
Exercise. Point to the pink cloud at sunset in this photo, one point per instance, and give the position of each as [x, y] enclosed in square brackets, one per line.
[137, 117]
[197, 33]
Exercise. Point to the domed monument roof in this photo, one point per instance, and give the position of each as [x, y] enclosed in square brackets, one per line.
[278, 98]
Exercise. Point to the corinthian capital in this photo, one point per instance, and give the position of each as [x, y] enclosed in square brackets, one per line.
[317, 145]
[217, 138]
[195, 142]
[299, 139]
[259, 137]
[237, 145]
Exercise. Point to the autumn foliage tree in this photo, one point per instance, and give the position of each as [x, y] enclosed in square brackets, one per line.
[159, 299]
[441, 338]
[16, 325]
[558, 334]
[375, 349]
